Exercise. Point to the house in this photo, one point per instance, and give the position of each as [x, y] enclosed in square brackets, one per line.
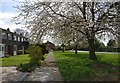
[11, 42]
[49, 46]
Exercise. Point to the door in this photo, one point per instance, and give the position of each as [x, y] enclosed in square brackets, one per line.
[23, 49]
[15, 49]
[2, 50]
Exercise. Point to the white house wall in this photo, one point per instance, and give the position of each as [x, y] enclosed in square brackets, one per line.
[2, 46]
[0, 36]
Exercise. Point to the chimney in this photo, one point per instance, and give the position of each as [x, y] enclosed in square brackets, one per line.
[8, 29]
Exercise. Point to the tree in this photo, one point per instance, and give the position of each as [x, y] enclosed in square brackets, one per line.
[99, 44]
[19, 31]
[118, 24]
[111, 43]
[88, 18]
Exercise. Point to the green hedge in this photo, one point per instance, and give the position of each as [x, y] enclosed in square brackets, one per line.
[20, 52]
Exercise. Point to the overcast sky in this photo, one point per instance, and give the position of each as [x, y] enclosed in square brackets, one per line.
[7, 12]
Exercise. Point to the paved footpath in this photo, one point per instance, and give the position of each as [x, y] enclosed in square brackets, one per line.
[47, 72]
[11, 74]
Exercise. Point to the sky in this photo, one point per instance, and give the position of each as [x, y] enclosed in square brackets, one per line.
[7, 12]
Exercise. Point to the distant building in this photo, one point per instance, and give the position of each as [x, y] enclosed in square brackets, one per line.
[11, 42]
[49, 46]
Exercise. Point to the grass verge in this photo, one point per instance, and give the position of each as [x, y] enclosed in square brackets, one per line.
[15, 60]
[78, 67]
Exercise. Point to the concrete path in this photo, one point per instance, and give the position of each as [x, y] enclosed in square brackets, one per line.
[11, 74]
[47, 72]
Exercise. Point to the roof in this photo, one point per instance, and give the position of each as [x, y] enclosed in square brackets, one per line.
[8, 31]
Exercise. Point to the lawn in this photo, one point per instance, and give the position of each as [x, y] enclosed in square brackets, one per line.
[80, 68]
[15, 60]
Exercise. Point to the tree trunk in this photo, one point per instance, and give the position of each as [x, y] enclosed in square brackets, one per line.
[92, 54]
[63, 49]
[76, 49]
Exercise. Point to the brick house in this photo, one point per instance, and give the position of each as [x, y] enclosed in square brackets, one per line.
[50, 46]
[11, 42]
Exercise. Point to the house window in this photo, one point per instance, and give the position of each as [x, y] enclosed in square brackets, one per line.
[4, 35]
[15, 38]
[18, 38]
[26, 39]
[6, 49]
[0, 47]
[9, 36]
[22, 39]
[15, 48]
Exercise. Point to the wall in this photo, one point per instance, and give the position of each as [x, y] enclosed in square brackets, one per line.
[0, 36]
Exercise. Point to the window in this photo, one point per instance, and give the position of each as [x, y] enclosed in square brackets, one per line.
[18, 38]
[15, 48]
[4, 35]
[0, 47]
[15, 38]
[22, 39]
[26, 39]
[6, 48]
[9, 37]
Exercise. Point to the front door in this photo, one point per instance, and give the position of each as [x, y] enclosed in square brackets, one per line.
[23, 49]
[2, 50]
[15, 49]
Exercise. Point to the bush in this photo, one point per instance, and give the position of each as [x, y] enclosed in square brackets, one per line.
[28, 67]
[35, 53]
[20, 52]
[44, 50]
[58, 49]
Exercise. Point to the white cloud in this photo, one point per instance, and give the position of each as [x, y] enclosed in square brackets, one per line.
[6, 21]
[7, 15]
[10, 0]
[17, 0]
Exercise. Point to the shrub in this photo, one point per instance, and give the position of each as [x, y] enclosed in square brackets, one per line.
[44, 50]
[28, 67]
[20, 52]
[58, 48]
[35, 53]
